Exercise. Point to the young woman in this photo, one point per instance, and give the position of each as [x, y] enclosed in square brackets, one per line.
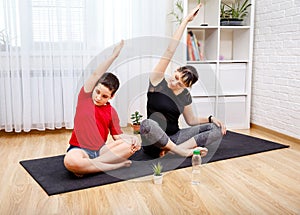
[167, 100]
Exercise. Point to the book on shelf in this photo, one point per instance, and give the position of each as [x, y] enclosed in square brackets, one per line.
[194, 52]
[190, 52]
[199, 50]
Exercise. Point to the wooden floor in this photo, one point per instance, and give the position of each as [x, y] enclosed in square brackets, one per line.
[264, 183]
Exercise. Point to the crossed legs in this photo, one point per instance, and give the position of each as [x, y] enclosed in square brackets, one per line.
[156, 142]
[112, 156]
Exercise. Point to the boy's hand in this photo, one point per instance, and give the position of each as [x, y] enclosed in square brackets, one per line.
[134, 141]
[135, 144]
[118, 49]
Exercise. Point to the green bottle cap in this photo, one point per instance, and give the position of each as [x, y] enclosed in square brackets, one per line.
[196, 152]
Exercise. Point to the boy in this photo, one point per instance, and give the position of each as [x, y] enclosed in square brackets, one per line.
[95, 118]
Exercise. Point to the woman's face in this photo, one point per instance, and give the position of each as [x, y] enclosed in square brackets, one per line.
[176, 82]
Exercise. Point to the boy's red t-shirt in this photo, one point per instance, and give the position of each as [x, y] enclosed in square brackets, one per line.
[93, 123]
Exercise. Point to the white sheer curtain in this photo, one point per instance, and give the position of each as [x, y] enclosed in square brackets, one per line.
[45, 46]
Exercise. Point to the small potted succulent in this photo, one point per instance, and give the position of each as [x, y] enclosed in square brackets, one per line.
[136, 120]
[157, 173]
[233, 13]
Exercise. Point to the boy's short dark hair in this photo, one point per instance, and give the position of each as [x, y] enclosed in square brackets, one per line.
[110, 81]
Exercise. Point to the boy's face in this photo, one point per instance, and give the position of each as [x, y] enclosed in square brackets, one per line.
[101, 94]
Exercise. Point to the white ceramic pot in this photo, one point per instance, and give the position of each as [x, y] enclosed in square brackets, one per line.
[157, 179]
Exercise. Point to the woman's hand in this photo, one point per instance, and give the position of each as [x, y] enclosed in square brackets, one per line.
[219, 124]
[193, 13]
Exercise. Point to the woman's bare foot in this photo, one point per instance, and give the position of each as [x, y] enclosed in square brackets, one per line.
[163, 152]
[181, 150]
[185, 152]
[203, 151]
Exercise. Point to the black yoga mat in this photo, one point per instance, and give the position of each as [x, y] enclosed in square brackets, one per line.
[52, 176]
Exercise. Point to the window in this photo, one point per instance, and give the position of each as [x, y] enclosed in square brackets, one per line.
[58, 20]
[9, 24]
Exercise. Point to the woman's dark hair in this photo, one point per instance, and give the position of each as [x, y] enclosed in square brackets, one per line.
[110, 81]
[189, 75]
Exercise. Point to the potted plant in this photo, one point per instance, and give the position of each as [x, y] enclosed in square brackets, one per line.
[233, 13]
[136, 118]
[157, 173]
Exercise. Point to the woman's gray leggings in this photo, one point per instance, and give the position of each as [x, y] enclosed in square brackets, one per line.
[154, 138]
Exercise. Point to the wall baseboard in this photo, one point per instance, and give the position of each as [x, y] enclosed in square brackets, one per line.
[278, 134]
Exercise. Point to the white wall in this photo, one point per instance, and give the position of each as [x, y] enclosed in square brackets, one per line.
[276, 66]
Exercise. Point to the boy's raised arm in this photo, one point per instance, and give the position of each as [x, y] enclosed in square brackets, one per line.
[102, 68]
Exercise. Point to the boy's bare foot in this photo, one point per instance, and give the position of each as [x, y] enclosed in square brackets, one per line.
[127, 163]
[78, 175]
[103, 167]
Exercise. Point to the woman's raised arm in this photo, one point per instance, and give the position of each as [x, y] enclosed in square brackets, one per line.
[159, 70]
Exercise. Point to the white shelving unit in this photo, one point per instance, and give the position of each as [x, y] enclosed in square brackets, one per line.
[224, 88]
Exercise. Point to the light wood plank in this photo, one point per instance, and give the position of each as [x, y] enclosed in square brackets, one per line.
[263, 183]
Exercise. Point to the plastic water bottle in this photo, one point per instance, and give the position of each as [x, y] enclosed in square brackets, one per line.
[196, 167]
